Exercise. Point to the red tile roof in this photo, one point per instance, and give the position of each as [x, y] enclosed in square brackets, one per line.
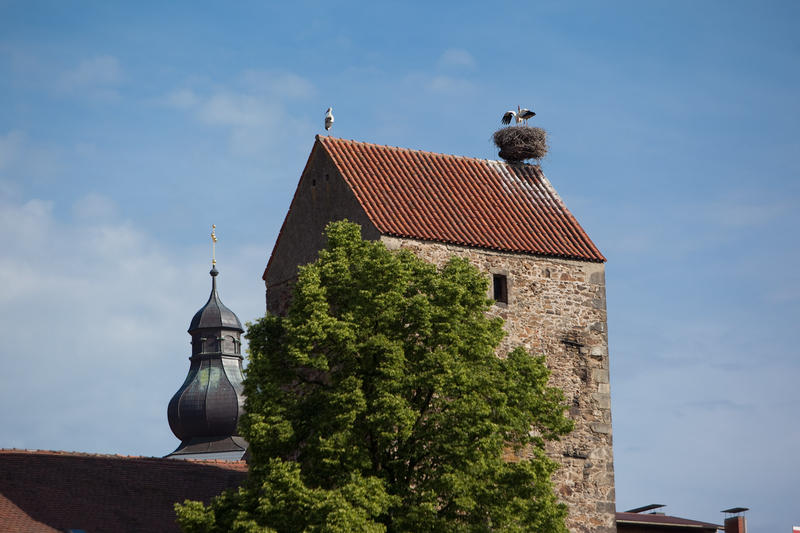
[460, 200]
[665, 520]
[96, 493]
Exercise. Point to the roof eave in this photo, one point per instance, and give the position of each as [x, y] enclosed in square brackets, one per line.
[668, 524]
[601, 258]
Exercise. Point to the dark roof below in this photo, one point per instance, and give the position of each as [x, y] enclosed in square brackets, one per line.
[96, 493]
[12, 518]
[460, 200]
[664, 520]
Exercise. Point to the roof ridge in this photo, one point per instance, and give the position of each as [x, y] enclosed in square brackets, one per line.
[39, 451]
[324, 138]
[64, 453]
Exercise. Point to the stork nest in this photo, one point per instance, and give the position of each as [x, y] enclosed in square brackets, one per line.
[518, 143]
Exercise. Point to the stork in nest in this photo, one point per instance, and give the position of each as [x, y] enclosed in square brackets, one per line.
[520, 116]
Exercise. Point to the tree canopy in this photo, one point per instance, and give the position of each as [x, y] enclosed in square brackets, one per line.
[378, 404]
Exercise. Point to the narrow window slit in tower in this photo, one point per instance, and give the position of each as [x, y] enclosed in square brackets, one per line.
[500, 283]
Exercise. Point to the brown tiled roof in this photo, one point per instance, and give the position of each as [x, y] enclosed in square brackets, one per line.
[96, 493]
[460, 200]
[665, 520]
[12, 518]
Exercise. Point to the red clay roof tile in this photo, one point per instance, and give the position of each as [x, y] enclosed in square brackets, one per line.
[460, 200]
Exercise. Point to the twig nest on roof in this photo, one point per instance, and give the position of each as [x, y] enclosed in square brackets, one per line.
[518, 143]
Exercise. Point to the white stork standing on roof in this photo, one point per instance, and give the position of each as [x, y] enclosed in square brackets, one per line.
[328, 118]
[519, 116]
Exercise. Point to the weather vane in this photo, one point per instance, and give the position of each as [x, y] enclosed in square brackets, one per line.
[213, 244]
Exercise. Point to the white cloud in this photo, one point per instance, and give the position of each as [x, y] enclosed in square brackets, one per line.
[26, 68]
[233, 109]
[8, 190]
[94, 316]
[182, 99]
[95, 78]
[98, 71]
[255, 109]
[10, 147]
[281, 84]
[31, 223]
[456, 58]
[747, 212]
[255, 123]
[94, 206]
[450, 84]
[441, 84]
[23, 161]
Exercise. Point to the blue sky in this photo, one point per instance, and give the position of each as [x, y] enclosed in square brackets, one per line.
[127, 129]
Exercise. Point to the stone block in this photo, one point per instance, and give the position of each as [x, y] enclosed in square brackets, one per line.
[599, 375]
[605, 529]
[606, 507]
[599, 427]
[598, 278]
[603, 400]
[600, 454]
[598, 327]
[598, 351]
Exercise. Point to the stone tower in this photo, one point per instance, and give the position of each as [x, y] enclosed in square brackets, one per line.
[546, 275]
[205, 411]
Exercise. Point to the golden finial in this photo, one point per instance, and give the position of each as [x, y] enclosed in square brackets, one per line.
[213, 244]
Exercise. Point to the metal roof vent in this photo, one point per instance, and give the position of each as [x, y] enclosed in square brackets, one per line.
[645, 508]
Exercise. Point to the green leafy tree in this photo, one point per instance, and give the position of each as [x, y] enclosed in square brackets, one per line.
[378, 404]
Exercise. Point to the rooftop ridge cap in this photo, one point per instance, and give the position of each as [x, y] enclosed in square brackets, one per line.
[62, 453]
[74, 453]
[219, 461]
[324, 138]
[511, 163]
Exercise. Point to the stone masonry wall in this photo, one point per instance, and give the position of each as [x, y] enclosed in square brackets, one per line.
[557, 308]
[322, 196]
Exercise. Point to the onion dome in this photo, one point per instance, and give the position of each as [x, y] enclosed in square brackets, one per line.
[205, 411]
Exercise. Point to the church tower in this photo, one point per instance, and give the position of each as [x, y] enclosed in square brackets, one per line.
[205, 411]
[547, 277]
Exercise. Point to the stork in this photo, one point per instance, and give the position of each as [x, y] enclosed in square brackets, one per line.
[328, 118]
[519, 116]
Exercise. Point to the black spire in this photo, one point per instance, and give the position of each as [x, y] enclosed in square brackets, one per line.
[205, 411]
[214, 314]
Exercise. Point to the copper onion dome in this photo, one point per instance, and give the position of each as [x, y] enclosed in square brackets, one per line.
[205, 411]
